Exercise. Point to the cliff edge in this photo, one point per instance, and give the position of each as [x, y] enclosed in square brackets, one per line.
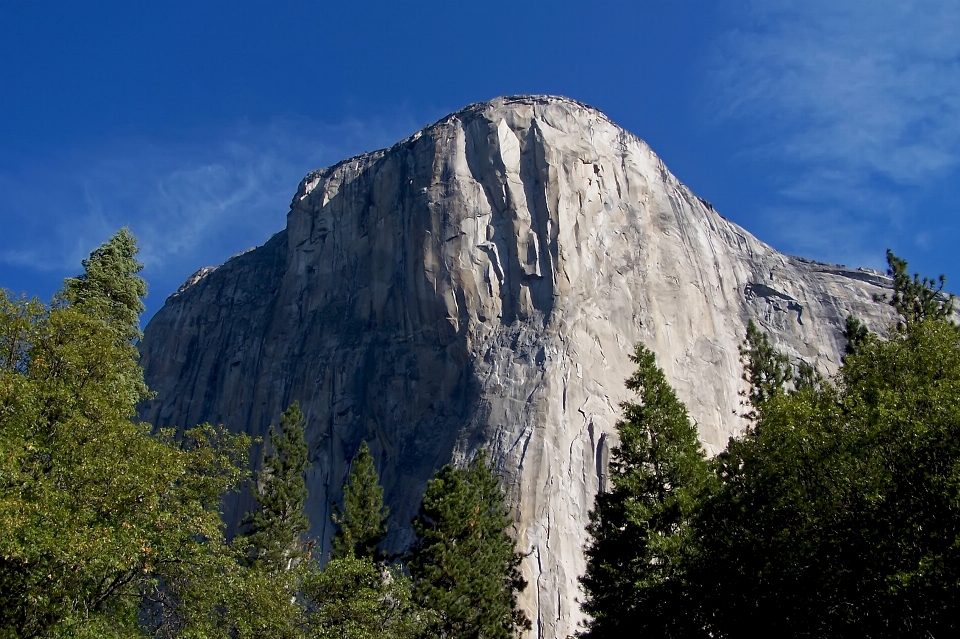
[482, 283]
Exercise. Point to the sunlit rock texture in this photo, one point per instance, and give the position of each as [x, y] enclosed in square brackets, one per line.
[482, 284]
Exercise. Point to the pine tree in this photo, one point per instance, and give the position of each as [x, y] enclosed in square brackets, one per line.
[363, 520]
[272, 538]
[640, 531]
[765, 369]
[916, 298]
[464, 565]
[855, 333]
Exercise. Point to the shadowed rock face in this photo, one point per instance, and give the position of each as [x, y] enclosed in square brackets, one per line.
[482, 283]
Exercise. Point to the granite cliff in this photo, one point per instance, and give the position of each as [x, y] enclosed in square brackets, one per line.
[482, 283]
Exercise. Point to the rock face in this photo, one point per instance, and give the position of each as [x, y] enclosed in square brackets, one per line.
[482, 283]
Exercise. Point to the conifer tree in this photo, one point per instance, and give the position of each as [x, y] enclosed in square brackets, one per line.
[363, 520]
[837, 512]
[915, 298]
[765, 369]
[272, 539]
[640, 531]
[109, 286]
[464, 565]
[855, 333]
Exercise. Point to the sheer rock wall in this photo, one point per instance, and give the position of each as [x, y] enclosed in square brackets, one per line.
[482, 283]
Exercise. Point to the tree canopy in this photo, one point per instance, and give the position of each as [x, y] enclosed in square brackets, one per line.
[111, 528]
[464, 564]
[109, 287]
[837, 513]
[274, 530]
[96, 510]
[355, 598]
[640, 531]
[362, 523]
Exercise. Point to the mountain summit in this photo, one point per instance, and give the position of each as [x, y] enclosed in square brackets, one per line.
[482, 283]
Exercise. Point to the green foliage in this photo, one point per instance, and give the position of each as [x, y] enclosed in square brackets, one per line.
[837, 513]
[355, 598]
[856, 334]
[109, 528]
[240, 601]
[765, 369]
[273, 537]
[916, 298]
[464, 564]
[97, 513]
[109, 287]
[640, 531]
[838, 510]
[363, 520]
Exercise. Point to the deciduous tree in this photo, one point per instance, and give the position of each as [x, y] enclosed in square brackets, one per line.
[98, 514]
[356, 598]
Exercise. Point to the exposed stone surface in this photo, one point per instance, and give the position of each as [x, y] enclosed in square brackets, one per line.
[483, 283]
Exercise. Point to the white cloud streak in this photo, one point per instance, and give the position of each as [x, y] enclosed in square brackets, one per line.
[858, 101]
[189, 203]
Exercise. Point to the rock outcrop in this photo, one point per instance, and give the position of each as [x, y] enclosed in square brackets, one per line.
[482, 283]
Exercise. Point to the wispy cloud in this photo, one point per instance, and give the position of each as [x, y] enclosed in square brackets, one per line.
[190, 203]
[859, 102]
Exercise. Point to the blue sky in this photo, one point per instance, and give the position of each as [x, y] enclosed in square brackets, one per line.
[829, 129]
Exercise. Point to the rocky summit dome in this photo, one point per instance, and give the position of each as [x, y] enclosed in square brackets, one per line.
[482, 283]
